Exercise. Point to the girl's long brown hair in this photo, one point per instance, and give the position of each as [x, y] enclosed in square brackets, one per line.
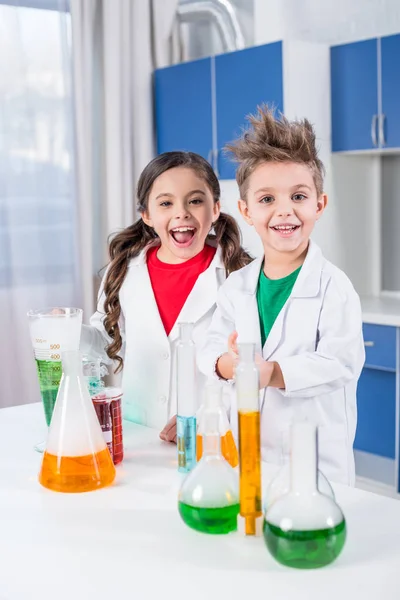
[131, 241]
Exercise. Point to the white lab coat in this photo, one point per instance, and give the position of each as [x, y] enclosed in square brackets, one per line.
[149, 375]
[317, 341]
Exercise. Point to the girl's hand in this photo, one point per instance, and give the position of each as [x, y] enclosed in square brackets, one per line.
[168, 434]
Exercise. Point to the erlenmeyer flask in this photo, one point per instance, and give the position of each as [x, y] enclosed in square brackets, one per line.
[213, 401]
[208, 500]
[76, 458]
[304, 529]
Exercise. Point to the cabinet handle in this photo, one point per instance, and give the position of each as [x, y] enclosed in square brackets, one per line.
[382, 121]
[373, 130]
[369, 344]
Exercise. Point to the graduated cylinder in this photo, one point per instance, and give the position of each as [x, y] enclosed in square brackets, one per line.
[247, 391]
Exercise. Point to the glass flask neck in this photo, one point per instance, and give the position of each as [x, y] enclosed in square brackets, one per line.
[212, 445]
[246, 353]
[304, 459]
[72, 363]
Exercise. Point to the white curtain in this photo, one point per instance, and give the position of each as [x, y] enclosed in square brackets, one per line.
[38, 260]
[116, 46]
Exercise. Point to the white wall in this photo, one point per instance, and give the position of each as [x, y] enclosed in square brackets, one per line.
[328, 21]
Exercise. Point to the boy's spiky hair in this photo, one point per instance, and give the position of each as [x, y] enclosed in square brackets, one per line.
[270, 139]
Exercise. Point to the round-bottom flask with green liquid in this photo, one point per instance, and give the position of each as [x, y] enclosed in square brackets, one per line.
[304, 529]
[208, 500]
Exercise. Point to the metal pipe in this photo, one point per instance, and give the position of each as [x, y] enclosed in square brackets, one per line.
[222, 13]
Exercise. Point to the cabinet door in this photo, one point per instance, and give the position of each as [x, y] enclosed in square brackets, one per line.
[183, 107]
[376, 404]
[244, 80]
[390, 53]
[354, 96]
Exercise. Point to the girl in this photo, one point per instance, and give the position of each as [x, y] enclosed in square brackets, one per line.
[164, 269]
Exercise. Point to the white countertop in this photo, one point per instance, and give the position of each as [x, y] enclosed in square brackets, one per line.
[381, 310]
[127, 541]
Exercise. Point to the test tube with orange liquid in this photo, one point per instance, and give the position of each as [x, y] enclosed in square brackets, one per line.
[228, 446]
[76, 458]
[250, 518]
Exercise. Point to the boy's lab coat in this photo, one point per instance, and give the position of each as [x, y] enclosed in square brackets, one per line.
[149, 375]
[317, 341]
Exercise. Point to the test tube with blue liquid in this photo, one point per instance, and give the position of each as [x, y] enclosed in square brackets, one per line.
[187, 399]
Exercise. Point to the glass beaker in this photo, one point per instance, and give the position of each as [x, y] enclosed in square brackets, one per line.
[208, 500]
[94, 371]
[52, 331]
[76, 458]
[304, 529]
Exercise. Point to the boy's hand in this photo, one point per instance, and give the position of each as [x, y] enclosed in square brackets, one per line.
[168, 434]
[227, 362]
[270, 373]
[232, 345]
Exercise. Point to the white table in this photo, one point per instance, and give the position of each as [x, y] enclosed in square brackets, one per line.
[127, 541]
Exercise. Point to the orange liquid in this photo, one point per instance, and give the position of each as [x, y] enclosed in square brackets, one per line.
[228, 448]
[250, 468]
[77, 473]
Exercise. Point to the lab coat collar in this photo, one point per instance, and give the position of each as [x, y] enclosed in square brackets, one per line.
[308, 282]
[203, 295]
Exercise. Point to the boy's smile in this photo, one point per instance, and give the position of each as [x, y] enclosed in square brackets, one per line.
[282, 205]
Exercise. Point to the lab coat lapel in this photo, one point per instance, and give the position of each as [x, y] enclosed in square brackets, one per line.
[248, 320]
[144, 303]
[202, 297]
[307, 286]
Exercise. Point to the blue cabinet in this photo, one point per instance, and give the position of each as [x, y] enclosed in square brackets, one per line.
[390, 117]
[244, 80]
[380, 346]
[184, 108]
[376, 404]
[365, 90]
[354, 96]
[202, 105]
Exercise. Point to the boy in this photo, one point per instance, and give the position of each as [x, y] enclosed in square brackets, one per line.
[301, 311]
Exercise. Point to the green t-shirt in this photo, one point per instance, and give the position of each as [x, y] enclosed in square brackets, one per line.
[271, 297]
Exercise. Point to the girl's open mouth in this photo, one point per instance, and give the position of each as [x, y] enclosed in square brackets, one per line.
[183, 236]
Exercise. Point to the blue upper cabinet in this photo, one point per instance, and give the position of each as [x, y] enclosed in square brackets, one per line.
[244, 80]
[354, 96]
[390, 118]
[184, 108]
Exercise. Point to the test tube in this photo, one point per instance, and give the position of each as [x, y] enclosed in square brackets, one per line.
[187, 399]
[247, 390]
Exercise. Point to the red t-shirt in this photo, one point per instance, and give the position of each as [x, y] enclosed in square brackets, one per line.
[172, 284]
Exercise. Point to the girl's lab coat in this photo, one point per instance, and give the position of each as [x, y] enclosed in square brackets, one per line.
[317, 341]
[149, 375]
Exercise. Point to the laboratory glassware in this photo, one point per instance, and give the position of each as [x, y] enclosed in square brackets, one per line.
[76, 458]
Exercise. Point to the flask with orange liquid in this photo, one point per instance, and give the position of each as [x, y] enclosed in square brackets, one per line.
[213, 402]
[76, 458]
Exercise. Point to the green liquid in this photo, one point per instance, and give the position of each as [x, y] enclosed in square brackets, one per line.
[49, 373]
[210, 520]
[305, 549]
